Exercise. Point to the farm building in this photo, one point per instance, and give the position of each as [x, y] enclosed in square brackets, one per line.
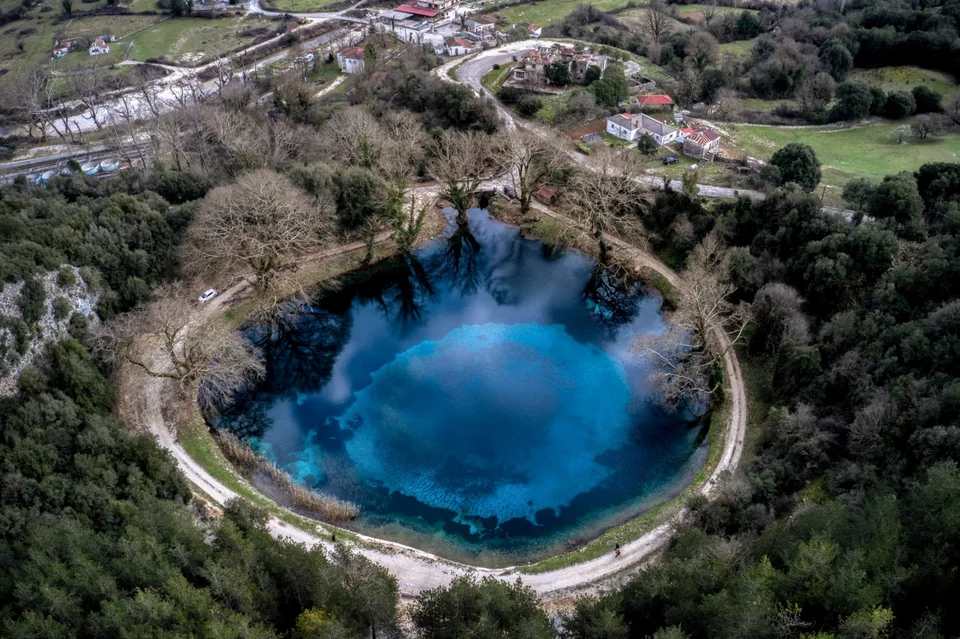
[703, 144]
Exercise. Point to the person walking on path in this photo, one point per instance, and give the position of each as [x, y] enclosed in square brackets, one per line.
[616, 551]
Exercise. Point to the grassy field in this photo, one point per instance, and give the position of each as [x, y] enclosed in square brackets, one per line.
[737, 47]
[188, 40]
[494, 78]
[756, 104]
[688, 9]
[870, 151]
[634, 19]
[299, 6]
[549, 12]
[142, 5]
[905, 78]
[116, 25]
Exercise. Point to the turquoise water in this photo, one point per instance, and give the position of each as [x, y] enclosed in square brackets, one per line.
[480, 399]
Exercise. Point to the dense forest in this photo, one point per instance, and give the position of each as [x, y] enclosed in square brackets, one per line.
[847, 521]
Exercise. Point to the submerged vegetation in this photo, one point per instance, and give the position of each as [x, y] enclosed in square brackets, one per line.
[302, 499]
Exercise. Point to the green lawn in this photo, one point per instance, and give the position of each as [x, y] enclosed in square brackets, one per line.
[116, 25]
[871, 151]
[189, 40]
[687, 9]
[634, 18]
[325, 72]
[494, 78]
[549, 12]
[299, 6]
[737, 47]
[904, 78]
[142, 5]
[756, 104]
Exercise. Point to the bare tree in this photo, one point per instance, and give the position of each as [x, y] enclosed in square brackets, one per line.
[656, 21]
[459, 161]
[925, 125]
[165, 340]
[953, 110]
[23, 99]
[262, 222]
[778, 317]
[702, 50]
[607, 197]
[86, 87]
[816, 92]
[355, 136]
[532, 160]
[703, 327]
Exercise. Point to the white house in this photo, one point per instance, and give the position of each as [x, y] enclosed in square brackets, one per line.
[535, 30]
[350, 60]
[458, 46]
[630, 127]
[99, 47]
[480, 24]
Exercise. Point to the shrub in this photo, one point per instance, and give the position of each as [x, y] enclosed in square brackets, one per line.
[66, 277]
[32, 300]
[926, 99]
[61, 308]
[510, 95]
[899, 105]
[529, 105]
[646, 144]
[798, 163]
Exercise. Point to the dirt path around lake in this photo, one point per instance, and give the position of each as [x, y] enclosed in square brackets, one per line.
[416, 570]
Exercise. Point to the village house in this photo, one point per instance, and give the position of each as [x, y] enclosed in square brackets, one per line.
[480, 25]
[630, 127]
[62, 49]
[535, 30]
[351, 60]
[435, 5]
[456, 46]
[661, 102]
[99, 47]
[703, 144]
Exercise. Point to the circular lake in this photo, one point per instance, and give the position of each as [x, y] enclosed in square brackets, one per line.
[480, 399]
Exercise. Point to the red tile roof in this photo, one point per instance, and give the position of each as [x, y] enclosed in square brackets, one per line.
[654, 100]
[547, 192]
[418, 11]
[687, 130]
[703, 137]
[353, 53]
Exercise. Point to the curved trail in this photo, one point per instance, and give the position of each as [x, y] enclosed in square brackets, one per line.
[417, 570]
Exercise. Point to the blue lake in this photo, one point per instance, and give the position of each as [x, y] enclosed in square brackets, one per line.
[481, 399]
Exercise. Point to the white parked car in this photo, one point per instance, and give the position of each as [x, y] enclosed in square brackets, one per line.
[208, 295]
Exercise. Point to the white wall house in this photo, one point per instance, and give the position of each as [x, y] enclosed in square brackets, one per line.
[99, 47]
[630, 127]
[350, 60]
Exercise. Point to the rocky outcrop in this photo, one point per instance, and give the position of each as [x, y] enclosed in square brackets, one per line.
[21, 343]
